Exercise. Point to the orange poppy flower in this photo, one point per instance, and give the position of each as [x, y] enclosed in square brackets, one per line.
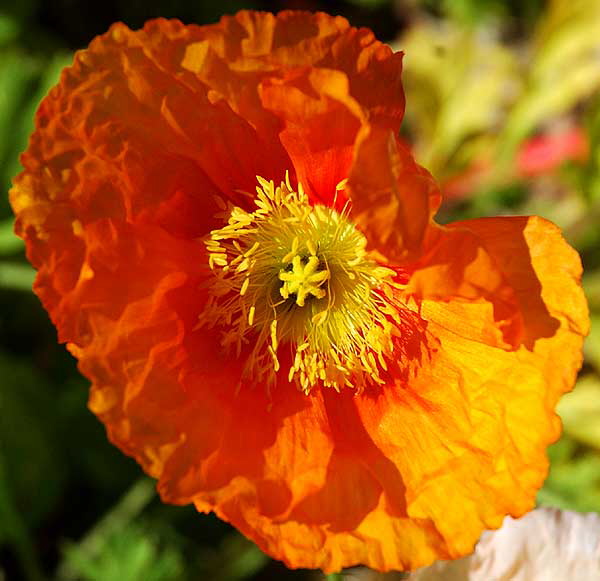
[306, 353]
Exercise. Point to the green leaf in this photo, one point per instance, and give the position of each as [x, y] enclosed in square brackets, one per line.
[9, 29]
[591, 347]
[458, 82]
[23, 117]
[563, 70]
[128, 554]
[574, 479]
[591, 286]
[580, 411]
[17, 75]
[9, 242]
[16, 276]
[15, 530]
[93, 555]
[236, 559]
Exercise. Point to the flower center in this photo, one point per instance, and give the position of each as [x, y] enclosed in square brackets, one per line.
[294, 282]
[302, 278]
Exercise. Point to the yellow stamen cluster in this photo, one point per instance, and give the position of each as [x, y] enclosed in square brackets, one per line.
[294, 281]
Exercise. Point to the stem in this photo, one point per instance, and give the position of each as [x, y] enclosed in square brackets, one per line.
[130, 505]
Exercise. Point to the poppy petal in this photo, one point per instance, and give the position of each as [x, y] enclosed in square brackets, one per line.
[393, 199]
[426, 456]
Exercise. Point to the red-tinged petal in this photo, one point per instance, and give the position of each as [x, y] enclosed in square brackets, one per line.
[393, 199]
[128, 115]
[336, 76]
[321, 124]
[137, 346]
[398, 476]
[129, 134]
[393, 202]
[318, 529]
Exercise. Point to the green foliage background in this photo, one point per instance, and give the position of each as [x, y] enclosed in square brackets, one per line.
[482, 77]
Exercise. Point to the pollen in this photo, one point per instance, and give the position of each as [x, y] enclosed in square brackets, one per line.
[295, 292]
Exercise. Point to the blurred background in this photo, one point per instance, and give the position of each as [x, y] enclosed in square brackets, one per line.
[503, 107]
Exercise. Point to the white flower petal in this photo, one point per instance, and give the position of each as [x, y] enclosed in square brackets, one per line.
[545, 545]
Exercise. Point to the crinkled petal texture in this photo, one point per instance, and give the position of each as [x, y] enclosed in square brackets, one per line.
[135, 153]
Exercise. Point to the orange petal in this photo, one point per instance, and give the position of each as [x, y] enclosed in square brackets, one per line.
[129, 134]
[546, 281]
[315, 73]
[457, 265]
[476, 419]
[414, 471]
[470, 261]
[393, 199]
[137, 346]
[321, 124]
